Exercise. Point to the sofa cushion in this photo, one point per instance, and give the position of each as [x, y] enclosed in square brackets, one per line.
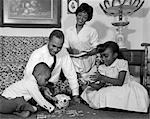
[14, 54]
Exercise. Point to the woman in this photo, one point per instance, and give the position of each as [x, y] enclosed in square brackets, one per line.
[81, 42]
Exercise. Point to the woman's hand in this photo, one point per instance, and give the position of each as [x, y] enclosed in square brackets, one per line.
[73, 51]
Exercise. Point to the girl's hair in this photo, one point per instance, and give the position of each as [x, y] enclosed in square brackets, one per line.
[84, 7]
[114, 47]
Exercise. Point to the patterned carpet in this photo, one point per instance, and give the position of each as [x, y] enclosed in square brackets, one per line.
[82, 111]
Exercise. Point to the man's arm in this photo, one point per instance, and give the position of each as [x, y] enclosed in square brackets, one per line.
[70, 73]
[30, 64]
[33, 60]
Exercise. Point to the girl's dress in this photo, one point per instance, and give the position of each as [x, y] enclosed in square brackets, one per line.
[85, 40]
[131, 96]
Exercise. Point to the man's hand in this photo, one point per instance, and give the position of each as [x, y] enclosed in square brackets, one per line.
[76, 99]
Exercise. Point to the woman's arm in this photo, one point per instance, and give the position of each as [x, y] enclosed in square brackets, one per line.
[90, 53]
[94, 51]
[72, 51]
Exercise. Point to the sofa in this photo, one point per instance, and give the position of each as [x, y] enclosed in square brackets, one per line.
[14, 54]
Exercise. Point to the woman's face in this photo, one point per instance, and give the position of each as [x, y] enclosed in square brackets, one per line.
[81, 18]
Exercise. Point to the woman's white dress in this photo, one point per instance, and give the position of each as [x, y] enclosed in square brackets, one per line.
[85, 40]
[130, 96]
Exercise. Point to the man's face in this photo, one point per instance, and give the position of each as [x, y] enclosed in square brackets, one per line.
[55, 45]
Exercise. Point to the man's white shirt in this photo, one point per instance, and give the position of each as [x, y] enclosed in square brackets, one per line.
[63, 62]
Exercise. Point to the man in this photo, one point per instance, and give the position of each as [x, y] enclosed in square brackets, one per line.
[46, 54]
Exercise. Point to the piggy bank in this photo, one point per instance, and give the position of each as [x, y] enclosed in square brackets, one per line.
[62, 101]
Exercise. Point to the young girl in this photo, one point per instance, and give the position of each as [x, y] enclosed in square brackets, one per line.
[123, 92]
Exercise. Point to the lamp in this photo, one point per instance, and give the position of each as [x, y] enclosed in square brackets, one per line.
[120, 9]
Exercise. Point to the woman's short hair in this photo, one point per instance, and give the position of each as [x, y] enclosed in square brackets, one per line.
[84, 7]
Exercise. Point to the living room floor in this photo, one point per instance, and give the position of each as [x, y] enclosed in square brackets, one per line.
[82, 111]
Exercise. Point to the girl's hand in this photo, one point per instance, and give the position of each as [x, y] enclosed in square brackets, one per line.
[96, 86]
[96, 77]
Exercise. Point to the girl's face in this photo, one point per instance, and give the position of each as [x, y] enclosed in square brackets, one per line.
[81, 18]
[108, 57]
